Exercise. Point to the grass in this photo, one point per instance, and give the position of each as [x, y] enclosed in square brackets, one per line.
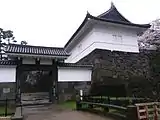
[119, 98]
[9, 110]
[68, 105]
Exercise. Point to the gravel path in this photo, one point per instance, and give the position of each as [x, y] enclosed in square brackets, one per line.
[53, 112]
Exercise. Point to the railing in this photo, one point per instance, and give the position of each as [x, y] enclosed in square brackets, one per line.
[106, 107]
[125, 107]
[106, 103]
[122, 101]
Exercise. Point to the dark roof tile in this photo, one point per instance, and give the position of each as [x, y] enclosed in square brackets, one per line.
[8, 62]
[36, 50]
[113, 14]
[74, 65]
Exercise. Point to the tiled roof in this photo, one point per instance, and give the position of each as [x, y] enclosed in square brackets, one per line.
[35, 50]
[113, 14]
[8, 62]
[74, 65]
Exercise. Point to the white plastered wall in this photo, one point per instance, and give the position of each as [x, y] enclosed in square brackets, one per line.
[7, 74]
[101, 37]
[74, 74]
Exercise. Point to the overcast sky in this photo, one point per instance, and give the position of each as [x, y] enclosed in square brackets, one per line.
[52, 22]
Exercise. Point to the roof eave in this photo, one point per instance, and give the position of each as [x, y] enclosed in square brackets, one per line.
[122, 23]
[8, 63]
[75, 65]
[78, 67]
[77, 31]
[37, 56]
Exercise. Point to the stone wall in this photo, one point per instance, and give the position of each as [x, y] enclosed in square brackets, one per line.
[134, 70]
[9, 87]
[69, 90]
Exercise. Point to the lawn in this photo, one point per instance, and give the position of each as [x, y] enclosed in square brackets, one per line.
[68, 105]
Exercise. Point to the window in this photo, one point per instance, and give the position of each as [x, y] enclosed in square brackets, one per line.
[114, 37]
[117, 39]
[79, 46]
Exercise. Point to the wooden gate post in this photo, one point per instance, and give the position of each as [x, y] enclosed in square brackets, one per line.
[18, 87]
[131, 113]
[55, 82]
[155, 112]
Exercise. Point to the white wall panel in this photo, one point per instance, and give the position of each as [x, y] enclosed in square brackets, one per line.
[28, 61]
[7, 74]
[45, 62]
[74, 74]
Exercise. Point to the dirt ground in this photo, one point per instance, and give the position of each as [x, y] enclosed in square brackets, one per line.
[54, 112]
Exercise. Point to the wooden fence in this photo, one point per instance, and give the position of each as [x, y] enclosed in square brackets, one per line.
[148, 111]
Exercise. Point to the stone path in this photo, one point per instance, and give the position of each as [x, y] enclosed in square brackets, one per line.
[54, 112]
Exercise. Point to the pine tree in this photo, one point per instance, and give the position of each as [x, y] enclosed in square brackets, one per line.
[6, 37]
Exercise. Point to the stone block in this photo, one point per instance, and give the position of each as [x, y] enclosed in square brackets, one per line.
[5, 118]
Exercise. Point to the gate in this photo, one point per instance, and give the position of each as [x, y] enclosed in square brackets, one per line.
[35, 87]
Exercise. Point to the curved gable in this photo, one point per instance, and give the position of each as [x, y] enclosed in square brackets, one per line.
[113, 14]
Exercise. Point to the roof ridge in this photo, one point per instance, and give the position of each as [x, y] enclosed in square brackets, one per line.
[35, 46]
[112, 5]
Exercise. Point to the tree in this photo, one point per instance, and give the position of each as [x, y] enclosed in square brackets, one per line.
[6, 37]
[150, 39]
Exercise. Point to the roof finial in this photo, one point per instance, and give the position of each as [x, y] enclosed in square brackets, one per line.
[112, 4]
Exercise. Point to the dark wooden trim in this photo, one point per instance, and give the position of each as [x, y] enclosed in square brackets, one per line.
[29, 67]
[37, 61]
[54, 81]
[18, 72]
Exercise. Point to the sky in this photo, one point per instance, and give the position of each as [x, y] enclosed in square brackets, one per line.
[53, 22]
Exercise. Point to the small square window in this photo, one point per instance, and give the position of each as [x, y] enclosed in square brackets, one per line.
[120, 38]
[114, 37]
[117, 38]
[80, 46]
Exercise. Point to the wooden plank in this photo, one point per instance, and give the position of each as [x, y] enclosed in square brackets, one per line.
[158, 109]
[138, 112]
[143, 110]
[156, 112]
[143, 117]
[151, 103]
[146, 107]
